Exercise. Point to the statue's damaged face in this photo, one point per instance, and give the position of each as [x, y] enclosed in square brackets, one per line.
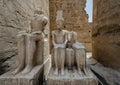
[59, 24]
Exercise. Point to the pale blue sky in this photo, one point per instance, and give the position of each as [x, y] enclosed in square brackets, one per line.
[89, 9]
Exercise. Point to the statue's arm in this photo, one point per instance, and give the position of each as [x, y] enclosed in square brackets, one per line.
[29, 29]
[66, 39]
[53, 38]
[75, 36]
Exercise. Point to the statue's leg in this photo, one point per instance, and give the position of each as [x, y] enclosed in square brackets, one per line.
[84, 61]
[69, 59]
[56, 60]
[73, 59]
[78, 60]
[62, 59]
[38, 58]
[21, 53]
[31, 47]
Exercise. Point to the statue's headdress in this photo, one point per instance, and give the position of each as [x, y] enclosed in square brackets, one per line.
[59, 15]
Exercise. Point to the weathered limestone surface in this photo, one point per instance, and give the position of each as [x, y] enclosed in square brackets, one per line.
[106, 32]
[32, 78]
[76, 19]
[72, 78]
[14, 16]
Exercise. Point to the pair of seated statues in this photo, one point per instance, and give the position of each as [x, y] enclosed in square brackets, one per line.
[67, 52]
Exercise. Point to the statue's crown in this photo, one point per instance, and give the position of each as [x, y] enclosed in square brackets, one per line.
[59, 15]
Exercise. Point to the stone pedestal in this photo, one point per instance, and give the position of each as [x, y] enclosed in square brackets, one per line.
[32, 78]
[72, 78]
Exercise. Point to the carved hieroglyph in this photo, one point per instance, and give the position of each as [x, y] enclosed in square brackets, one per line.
[30, 44]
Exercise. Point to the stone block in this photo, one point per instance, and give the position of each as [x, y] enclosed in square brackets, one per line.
[72, 78]
[33, 78]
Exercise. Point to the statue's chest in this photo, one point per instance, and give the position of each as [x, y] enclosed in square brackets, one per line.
[59, 35]
[70, 36]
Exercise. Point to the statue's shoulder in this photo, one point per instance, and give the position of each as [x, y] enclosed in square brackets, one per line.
[45, 18]
[54, 31]
[75, 33]
[65, 31]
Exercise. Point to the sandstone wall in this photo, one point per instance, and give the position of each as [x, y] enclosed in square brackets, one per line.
[14, 16]
[106, 32]
[75, 16]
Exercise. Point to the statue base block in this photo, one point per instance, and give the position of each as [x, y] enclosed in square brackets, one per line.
[32, 78]
[72, 78]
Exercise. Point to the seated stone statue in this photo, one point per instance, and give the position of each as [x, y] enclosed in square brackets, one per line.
[30, 44]
[59, 39]
[77, 53]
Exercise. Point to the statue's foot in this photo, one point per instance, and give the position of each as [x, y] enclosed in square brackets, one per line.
[56, 71]
[80, 72]
[16, 71]
[62, 72]
[86, 70]
[27, 70]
